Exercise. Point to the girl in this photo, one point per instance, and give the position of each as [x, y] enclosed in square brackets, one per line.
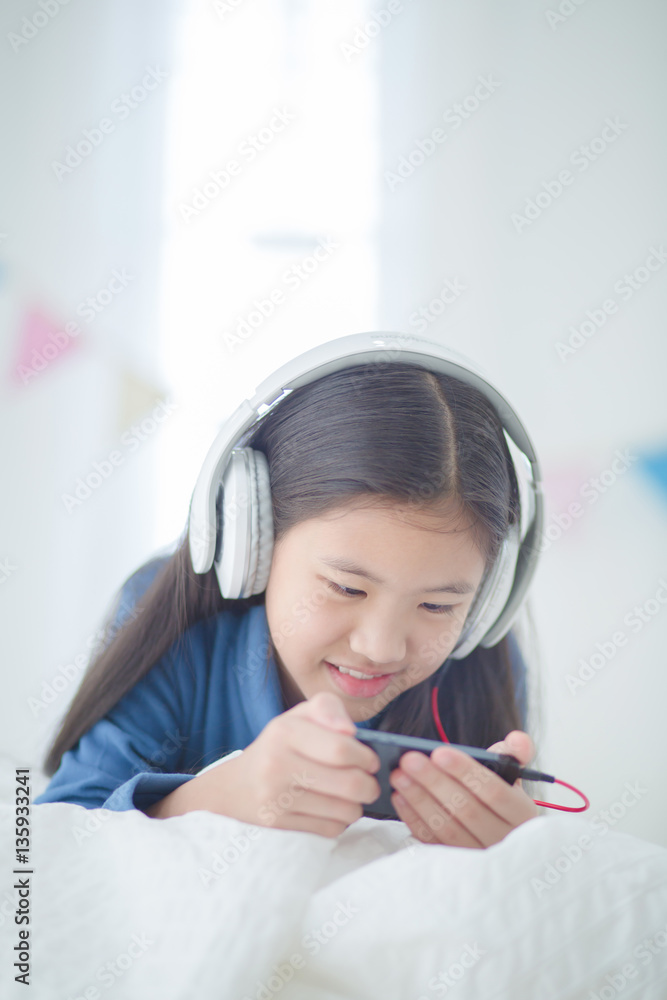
[392, 489]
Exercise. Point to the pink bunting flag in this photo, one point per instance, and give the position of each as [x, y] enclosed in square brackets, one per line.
[42, 342]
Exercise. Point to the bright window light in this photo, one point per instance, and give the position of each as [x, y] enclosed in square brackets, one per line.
[270, 211]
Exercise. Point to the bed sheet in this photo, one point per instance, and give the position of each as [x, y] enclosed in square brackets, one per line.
[202, 905]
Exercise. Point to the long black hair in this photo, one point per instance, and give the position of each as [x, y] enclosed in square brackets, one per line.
[376, 433]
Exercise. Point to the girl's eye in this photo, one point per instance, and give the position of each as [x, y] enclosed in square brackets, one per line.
[440, 609]
[435, 609]
[347, 591]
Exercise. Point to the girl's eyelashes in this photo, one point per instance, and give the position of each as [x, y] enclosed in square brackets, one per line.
[441, 609]
[343, 590]
[435, 609]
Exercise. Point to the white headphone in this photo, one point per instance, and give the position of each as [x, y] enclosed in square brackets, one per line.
[231, 516]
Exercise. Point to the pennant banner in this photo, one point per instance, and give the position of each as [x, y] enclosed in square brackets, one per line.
[654, 466]
[42, 343]
[137, 398]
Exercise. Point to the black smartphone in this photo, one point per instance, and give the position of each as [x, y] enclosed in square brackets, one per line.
[391, 746]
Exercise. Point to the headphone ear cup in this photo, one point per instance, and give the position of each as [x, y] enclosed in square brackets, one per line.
[491, 597]
[261, 542]
[246, 531]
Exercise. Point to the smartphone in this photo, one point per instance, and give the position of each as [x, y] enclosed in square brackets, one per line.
[391, 746]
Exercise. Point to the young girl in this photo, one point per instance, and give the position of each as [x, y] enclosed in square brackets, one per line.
[392, 489]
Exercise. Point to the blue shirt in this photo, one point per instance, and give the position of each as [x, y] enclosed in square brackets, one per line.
[181, 718]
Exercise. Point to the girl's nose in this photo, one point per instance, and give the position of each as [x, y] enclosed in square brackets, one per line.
[379, 640]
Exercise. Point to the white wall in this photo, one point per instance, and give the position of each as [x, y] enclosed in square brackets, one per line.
[64, 235]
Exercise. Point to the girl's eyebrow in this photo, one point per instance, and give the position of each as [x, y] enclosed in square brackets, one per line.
[345, 566]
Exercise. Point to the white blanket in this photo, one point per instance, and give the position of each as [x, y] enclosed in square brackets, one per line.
[203, 906]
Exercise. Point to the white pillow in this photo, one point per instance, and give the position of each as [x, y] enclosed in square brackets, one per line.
[205, 906]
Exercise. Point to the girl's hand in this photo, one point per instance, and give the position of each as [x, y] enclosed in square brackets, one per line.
[453, 799]
[305, 771]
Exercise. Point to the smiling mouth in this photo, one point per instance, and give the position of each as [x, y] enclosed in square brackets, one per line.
[359, 674]
[364, 686]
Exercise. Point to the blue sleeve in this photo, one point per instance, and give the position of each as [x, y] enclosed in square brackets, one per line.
[519, 674]
[129, 759]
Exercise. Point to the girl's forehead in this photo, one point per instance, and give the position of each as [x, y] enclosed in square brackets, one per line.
[447, 517]
[395, 529]
[383, 533]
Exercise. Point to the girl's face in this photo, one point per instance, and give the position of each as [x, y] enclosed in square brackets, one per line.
[391, 609]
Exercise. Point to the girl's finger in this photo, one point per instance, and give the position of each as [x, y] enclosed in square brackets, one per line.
[518, 744]
[431, 824]
[417, 825]
[509, 802]
[434, 793]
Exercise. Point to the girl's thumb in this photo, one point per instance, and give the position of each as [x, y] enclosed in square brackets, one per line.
[332, 713]
[519, 745]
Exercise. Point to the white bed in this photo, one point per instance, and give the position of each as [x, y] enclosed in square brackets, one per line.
[203, 906]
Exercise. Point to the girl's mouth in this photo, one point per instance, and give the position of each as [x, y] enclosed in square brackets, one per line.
[357, 688]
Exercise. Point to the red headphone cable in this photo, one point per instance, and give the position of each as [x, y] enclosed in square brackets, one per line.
[542, 777]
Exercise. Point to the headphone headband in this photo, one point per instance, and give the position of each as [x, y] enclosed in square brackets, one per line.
[516, 565]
